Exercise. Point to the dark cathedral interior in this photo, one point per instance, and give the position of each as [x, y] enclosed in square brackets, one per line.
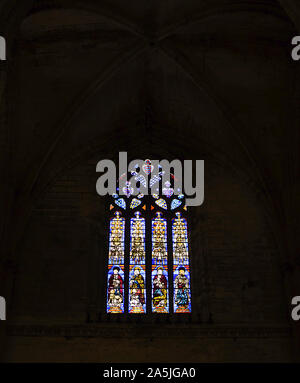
[208, 80]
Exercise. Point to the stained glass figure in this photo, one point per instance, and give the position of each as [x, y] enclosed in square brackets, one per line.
[180, 241]
[115, 283]
[115, 291]
[182, 295]
[137, 243]
[181, 271]
[137, 290]
[160, 300]
[137, 272]
[159, 240]
[116, 240]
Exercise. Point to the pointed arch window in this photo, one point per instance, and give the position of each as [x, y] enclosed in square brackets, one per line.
[148, 255]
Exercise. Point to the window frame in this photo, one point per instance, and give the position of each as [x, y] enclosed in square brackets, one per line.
[149, 214]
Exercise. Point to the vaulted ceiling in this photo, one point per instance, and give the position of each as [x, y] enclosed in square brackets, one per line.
[216, 71]
[219, 72]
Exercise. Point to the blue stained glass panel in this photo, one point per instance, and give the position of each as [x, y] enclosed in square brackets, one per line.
[175, 203]
[121, 203]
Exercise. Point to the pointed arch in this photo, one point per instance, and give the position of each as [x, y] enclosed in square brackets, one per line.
[148, 249]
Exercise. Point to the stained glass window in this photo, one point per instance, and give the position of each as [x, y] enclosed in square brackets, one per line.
[148, 254]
